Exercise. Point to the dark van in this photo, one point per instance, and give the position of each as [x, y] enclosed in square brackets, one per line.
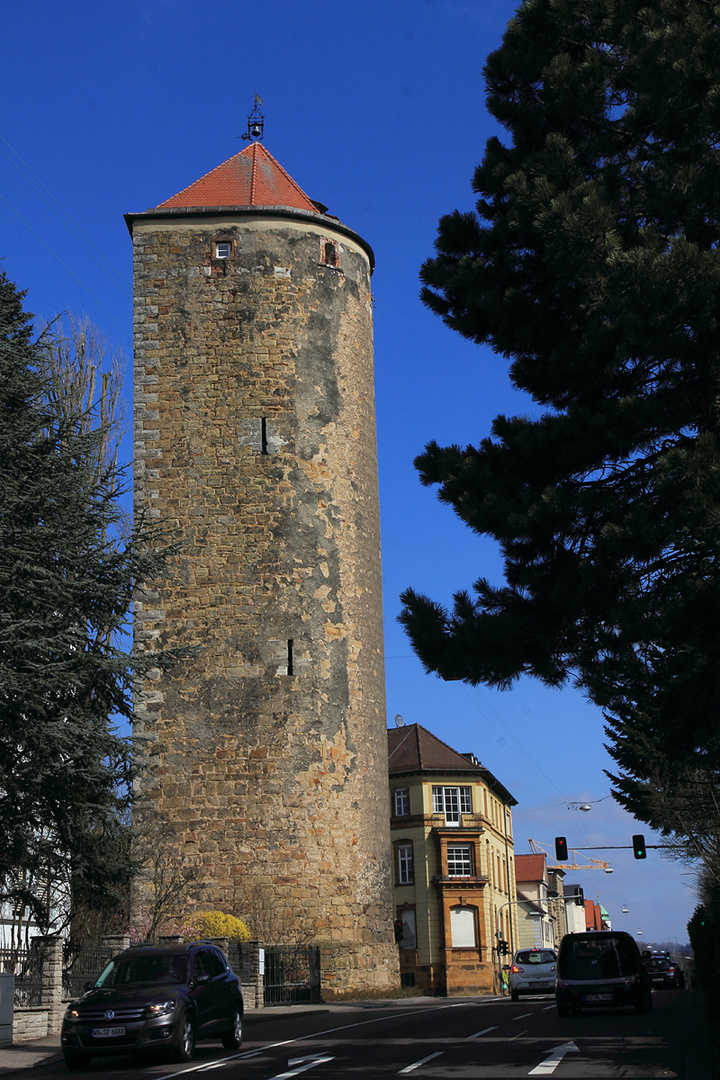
[601, 969]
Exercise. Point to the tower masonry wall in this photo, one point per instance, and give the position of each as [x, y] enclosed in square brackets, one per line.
[264, 754]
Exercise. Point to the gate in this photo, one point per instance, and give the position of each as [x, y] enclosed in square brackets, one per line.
[27, 967]
[292, 975]
[83, 966]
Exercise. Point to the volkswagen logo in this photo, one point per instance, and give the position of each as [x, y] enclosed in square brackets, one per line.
[109, 1014]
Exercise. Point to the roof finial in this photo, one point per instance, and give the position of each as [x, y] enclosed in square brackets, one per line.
[256, 121]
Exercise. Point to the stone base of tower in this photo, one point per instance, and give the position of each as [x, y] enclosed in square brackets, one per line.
[348, 968]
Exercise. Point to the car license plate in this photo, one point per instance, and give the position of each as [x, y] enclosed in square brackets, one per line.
[107, 1032]
[541, 983]
[598, 997]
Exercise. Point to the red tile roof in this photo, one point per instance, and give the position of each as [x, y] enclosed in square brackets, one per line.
[529, 868]
[251, 178]
[413, 749]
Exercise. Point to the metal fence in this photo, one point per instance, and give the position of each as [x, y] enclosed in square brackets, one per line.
[82, 966]
[292, 974]
[26, 966]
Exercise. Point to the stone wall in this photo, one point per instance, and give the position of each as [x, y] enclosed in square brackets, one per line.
[255, 439]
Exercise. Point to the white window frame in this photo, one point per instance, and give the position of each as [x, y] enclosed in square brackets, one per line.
[405, 864]
[452, 801]
[223, 249]
[401, 801]
[459, 860]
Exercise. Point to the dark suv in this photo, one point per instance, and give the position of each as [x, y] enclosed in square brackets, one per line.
[601, 969]
[156, 997]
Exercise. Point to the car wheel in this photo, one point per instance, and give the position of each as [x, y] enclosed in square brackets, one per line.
[232, 1038]
[514, 995]
[563, 1010]
[77, 1062]
[186, 1041]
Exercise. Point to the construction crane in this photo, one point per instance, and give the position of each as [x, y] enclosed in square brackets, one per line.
[589, 864]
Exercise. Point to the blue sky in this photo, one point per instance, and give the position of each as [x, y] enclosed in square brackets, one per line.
[377, 110]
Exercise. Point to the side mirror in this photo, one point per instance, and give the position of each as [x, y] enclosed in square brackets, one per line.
[200, 979]
[88, 986]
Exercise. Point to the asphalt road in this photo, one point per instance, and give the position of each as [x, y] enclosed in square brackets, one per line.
[434, 1039]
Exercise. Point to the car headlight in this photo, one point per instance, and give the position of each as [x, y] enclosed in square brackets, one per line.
[71, 1013]
[161, 1008]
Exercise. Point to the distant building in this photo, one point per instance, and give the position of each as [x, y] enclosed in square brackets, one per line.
[596, 917]
[537, 917]
[451, 831]
[575, 908]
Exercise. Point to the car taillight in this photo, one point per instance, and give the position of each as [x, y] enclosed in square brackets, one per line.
[516, 969]
[671, 971]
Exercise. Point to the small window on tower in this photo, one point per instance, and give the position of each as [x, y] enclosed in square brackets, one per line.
[330, 253]
[223, 249]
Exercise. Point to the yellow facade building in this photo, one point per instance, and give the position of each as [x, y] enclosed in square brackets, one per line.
[453, 865]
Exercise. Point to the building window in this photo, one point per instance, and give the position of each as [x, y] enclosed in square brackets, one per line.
[405, 869]
[223, 249]
[330, 253]
[452, 802]
[459, 860]
[463, 933]
[408, 939]
[402, 802]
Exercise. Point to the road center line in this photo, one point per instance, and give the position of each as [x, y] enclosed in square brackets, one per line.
[521, 1016]
[423, 1061]
[318, 1034]
[483, 1032]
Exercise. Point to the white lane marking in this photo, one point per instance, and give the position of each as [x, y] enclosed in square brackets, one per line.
[423, 1061]
[303, 1064]
[521, 1016]
[550, 1064]
[548, 1007]
[317, 1034]
[483, 1032]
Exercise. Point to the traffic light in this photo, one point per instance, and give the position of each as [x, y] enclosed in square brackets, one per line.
[639, 846]
[561, 851]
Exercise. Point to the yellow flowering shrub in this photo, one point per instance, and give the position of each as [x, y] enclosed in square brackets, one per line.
[215, 924]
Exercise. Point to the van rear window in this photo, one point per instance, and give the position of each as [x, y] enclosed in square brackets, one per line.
[607, 958]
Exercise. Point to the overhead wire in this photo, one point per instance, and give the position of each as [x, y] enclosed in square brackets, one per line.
[60, 212]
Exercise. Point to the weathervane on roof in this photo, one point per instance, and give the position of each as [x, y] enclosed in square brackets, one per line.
[256, 121]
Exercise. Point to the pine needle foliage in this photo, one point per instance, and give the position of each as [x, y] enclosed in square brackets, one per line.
[592, 265]
[68, 568]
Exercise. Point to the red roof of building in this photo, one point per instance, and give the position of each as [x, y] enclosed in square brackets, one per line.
[251, 178]
[413, 749]
[529, 867]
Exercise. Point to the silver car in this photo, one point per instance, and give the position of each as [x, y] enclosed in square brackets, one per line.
[533, 972]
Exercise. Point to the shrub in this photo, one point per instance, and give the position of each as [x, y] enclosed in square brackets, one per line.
[214, 924]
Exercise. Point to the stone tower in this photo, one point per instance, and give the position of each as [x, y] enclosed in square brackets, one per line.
[255, 438]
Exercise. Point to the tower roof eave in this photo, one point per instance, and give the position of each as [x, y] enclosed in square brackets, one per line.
[327, 221]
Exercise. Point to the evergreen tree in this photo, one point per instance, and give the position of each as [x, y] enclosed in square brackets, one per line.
[592, 265]
[68, 567]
